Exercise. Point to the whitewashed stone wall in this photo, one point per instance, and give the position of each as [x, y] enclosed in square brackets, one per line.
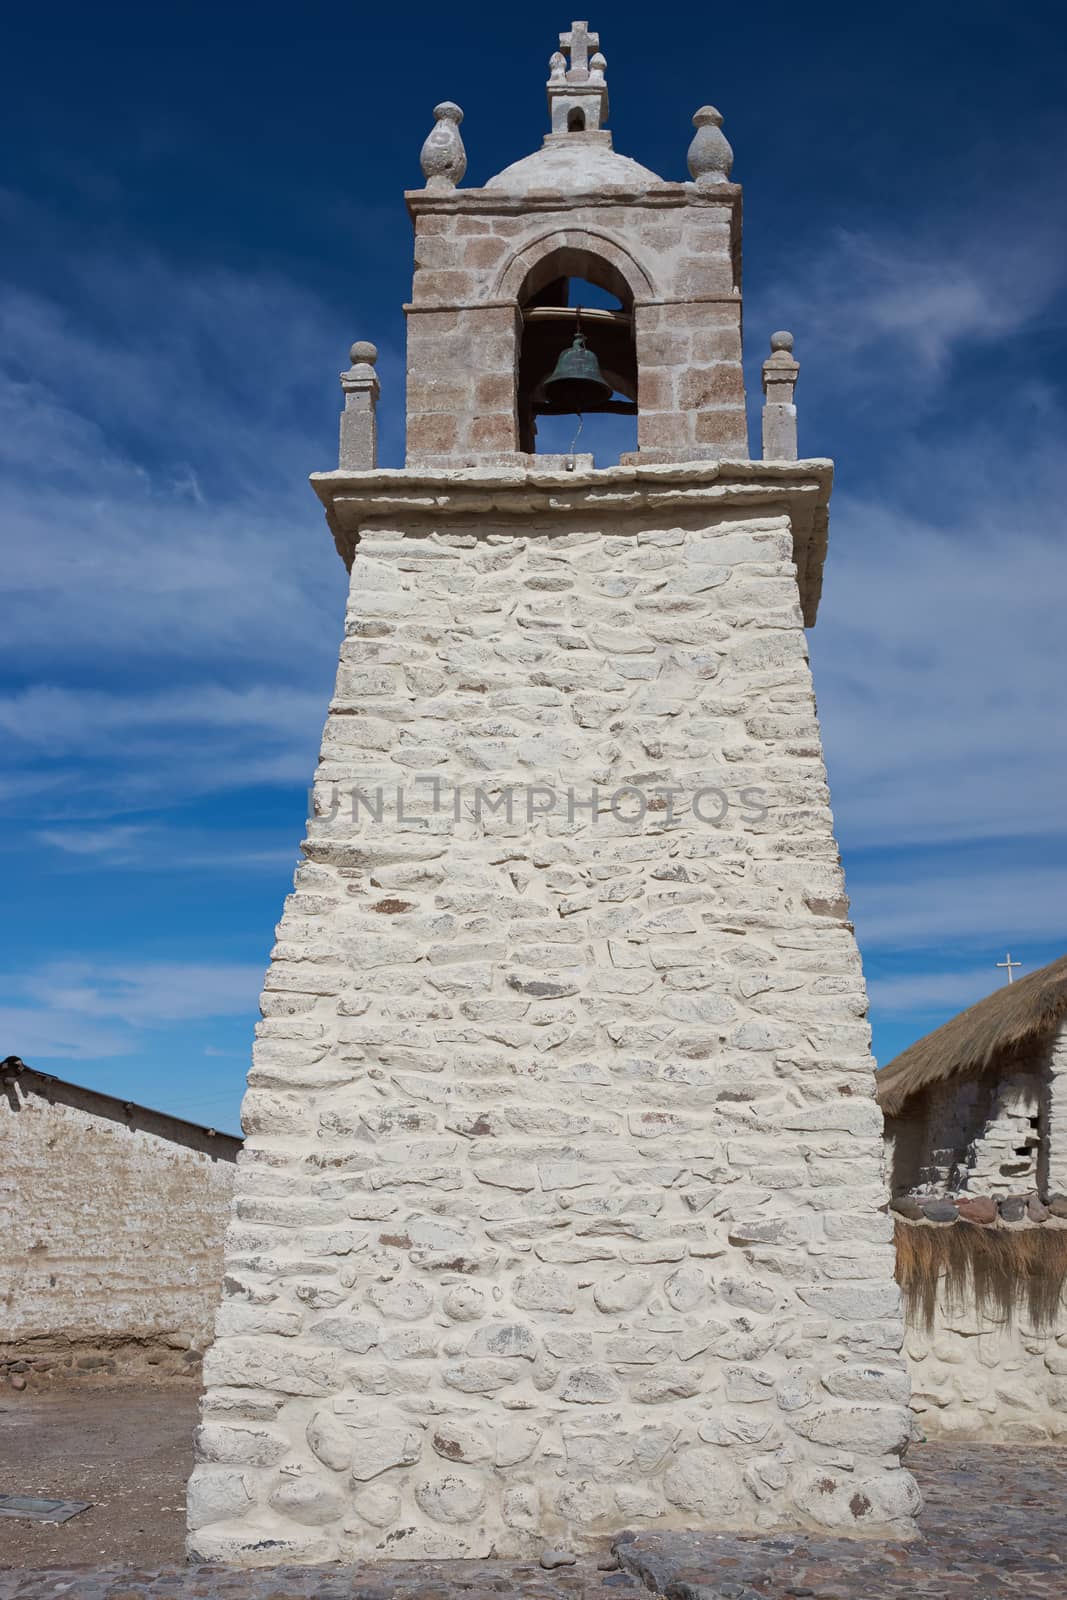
[559, 1207]
[111, 1229]
[1057, 1113]
[980, 1136]
[1005, 1152]
[976, 1377]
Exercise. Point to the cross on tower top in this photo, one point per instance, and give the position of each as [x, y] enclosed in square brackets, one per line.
[578, 43]
[1011, 965]
[577, 92]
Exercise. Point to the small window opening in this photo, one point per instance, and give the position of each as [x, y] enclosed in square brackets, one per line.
[552, 315]
[576, 121]
[1022, 1150]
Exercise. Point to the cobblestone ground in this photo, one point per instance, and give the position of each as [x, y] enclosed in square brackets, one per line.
[395, 1580]
[992, 1530]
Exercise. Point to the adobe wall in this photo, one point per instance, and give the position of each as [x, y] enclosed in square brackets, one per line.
[559, 1209]
[110, 1235]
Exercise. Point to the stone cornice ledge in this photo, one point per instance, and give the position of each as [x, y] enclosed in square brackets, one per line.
[520, 202]
[799, 488]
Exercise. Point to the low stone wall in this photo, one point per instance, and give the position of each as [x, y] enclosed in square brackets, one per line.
[111, 1222]
[66, 1357]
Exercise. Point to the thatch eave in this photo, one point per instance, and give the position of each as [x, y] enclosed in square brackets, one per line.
[984, 1038]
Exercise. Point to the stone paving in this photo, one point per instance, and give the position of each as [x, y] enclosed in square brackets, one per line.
[992, 1530]
[394, 1580]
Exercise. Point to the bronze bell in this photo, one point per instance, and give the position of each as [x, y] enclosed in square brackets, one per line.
[577, 383]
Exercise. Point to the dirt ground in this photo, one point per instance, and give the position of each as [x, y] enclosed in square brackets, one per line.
[128, 1451]
[992, 1528]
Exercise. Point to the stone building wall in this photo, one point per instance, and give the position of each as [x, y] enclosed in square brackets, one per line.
[111, 1229]
[975, 1376]
[1006, 1150]
[980, 1136]
[983, 1147]
[560, 1203]
[1056, 1154]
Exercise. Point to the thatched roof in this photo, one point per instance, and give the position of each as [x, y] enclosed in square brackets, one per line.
[981, 1039]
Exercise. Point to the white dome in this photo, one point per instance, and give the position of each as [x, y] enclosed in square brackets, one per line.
[576, 166]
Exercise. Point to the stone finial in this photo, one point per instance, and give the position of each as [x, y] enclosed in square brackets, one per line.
[710, 154]
[557, 67]
[597, 67]
[779, 412]
[443, 158]
[359, 419]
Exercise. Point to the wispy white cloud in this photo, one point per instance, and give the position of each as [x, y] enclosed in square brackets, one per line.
[936, 657]
[135, 575]
[118, 842]
[39, 1034]
[918, 908]
[84, 1010]
[173, 598]
[939, 646]
[932, 992]
[123, 751]
[940, 633]
[157, 425]
[165, 848]
[143, 994]
[892, 302]
[921, 297]
[80, 720]
[138, 1028]
[157, 772]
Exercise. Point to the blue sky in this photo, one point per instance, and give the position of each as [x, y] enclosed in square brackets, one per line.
[202, 206]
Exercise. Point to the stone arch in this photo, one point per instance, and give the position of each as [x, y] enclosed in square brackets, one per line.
[535, 280]
[574, 253]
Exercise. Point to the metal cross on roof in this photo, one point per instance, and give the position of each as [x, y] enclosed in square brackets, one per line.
[579, 42]
[1009, 963]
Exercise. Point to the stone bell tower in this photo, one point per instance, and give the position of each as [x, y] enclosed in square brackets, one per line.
[561, 1203]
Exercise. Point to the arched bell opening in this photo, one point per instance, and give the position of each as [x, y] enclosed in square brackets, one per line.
[577, 322]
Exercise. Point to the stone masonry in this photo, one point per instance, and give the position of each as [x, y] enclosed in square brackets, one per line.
[977, 1375]
[560, 1209]
[111, 1222]
[1056, 1175]
[670, 251]
[462, 322]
